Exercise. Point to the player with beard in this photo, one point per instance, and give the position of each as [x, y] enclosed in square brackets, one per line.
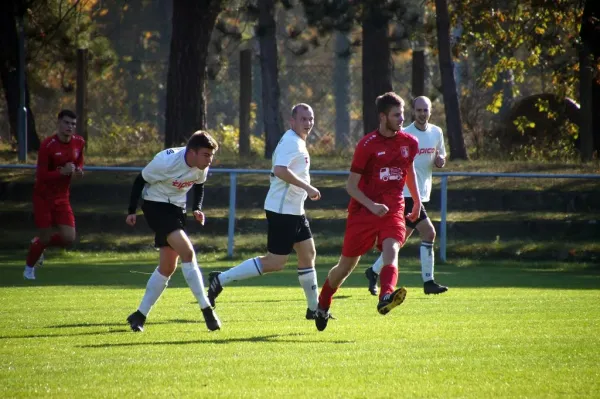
[432, 152]
[382, 164]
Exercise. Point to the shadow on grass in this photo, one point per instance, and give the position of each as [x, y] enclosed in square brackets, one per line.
[120, 330]
[274, 338]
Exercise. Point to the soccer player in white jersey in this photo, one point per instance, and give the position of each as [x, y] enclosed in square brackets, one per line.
[431, 153]
[288, 227]
[164, 184]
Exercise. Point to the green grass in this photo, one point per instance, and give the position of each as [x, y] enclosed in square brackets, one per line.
[505, 329]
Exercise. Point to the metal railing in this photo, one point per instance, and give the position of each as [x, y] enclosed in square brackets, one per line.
[233, 173]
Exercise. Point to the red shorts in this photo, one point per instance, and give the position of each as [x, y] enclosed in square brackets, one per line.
[364, 229]
[48, 212]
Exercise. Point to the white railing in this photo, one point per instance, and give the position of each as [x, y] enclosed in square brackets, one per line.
[233, 173]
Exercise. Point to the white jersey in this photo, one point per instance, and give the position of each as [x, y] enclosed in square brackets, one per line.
[284, 197]
[169, 177]
[430, 140]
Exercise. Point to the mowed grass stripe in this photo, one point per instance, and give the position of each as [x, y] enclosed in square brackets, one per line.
[504, 329]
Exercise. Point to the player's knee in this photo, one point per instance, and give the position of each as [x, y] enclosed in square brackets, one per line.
[187, 255]
[429, 235]
[68, 238]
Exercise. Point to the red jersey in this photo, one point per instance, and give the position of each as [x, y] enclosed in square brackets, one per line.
[382, 163]
[53, 154]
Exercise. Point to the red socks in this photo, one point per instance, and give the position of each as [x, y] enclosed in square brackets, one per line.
[326, 295]
[388, 277]
[37, 248]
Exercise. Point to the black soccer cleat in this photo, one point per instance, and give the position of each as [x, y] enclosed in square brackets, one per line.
[322, 316]
[310, 314]
[372, 277]
[390, 301]
[210, 317]
[214, 287]
[431, 287]
[136, 321]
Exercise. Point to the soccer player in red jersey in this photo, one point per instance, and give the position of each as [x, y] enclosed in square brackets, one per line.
[59, 159]
[382, 164]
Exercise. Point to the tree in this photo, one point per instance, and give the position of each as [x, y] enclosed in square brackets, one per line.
[341, 90]
[265, 31]
[453, 119]
[192, 25]
[10, 12]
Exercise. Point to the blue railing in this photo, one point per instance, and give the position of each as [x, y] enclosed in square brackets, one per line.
[233, 173]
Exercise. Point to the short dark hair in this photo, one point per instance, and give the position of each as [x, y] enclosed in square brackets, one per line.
[300, 105]
[68, 113]
[202, 139]
[388, 100]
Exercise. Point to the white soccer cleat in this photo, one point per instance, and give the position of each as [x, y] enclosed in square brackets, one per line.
[29, 273]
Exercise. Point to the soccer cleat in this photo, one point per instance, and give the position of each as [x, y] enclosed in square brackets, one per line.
[431, 287]
[310, 314]
[390, 301]
[214, 287]
[322, 316]
[136, 321]
[29, 273]
[372, 277]
[210, 317]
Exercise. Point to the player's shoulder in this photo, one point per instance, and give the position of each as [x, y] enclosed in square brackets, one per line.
[435, 129]
[48, 141]
[77, 139]
[169, 154]
[407, 137]
[368, 140]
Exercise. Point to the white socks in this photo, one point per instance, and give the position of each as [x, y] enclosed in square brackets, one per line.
[154, 288]
[308, 281]
[245, 270]
[378, 265]
[427, 259]
[193, 277]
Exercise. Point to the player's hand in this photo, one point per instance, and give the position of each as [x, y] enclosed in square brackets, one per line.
[131, 219]
[67, 169]
[415, 212]
[78, 172]
[439, 160]
[379, 209]
[313, 193]
[199, 216]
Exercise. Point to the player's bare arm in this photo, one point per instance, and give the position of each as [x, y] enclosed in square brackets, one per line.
[411, 183]
[358, 195]
[290, 177]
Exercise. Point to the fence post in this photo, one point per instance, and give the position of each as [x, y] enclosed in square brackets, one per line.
[231, 224]
[81, 93]
[443, 217]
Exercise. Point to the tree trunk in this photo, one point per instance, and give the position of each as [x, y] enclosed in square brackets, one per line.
[9, 74]
[271, 94]
[453, 119]
[418, 72]
[341, 90]
[192, 23]
[586, 136]
[245, 101]
[376, 64]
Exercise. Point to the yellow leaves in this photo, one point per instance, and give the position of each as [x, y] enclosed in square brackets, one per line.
[539, 30]
[103, 12]
[496, 103]
[522, 123]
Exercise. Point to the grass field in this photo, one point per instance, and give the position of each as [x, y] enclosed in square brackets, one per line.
[505, 329]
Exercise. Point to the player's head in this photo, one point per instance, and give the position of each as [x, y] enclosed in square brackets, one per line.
[200, 149]
[67, 122]
[303, 119]
[422, 109]
[390, 108]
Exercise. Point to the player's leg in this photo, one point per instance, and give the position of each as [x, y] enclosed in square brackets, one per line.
[156, 285]
[390, 237]
[427, 234]
[42, 213]
[281, 233]
[372, 273]
[307, 274]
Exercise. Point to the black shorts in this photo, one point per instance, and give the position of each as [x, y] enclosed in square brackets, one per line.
[408, 204]
[284, 231]
[163, 218]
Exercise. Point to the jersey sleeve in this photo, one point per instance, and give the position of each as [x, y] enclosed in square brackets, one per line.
[441, 147]
[360, 159]
[286, 154]
[79, 160]
[414, 148]
[43, 172]
[154, 171]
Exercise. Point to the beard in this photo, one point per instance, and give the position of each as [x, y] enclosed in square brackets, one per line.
[392, 126]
